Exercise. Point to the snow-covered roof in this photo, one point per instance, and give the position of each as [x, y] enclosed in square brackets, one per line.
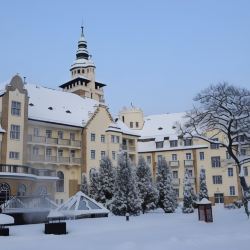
[121, 127]
[80, 204]
[58, 106]
[81, 62]
[161, 125]
[2, 130]
[6, 219]
[203, 201]
[53, 214]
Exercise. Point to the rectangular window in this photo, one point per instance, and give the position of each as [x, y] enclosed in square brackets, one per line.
[92, 154]
[175, 174]
[60, 152]
[137, 124]
[188, 156]
[230, 172]
[15, 132]
[159, 158]
[112, 138]
[36, 131]
[214, 145]
[174, 157]
[113, 155]
[103, 138]
[92, 137]
[14, 155]
[215, 161]
[202, 156]
[35, 151]
[149, 159]
[131, 124]
[60, 134]
[177, 191]
[117, 139]
[243, 151]
[245, 169]
[48, 133]
[173, 143]
[16, 108]
[190, 173]
[48, 151]
[72, 153]
[188, 142]
[217, 179]
[72, 136]
[232, 190]
[159, 144]
[103, 153]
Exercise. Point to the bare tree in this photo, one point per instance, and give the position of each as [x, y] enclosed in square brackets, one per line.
[222, 117]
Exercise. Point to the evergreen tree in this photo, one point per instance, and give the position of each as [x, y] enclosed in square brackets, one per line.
[203, 186]
[106, 181]
[148, 193]
[167, 195]
[187, 195]
[84, 185]
[126, 197]
[94, 190]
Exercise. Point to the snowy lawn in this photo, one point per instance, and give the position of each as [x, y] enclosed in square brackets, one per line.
[153, 231]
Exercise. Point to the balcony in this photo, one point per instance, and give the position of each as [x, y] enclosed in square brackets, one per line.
[176, 181]
[54, 159]
[53, 141]
[25, 171]
[174, 164]
[130, 148]
[188, 163]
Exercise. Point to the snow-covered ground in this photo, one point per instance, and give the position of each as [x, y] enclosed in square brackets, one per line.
[153, 231]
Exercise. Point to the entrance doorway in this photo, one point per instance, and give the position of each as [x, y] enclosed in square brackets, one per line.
[219, 198]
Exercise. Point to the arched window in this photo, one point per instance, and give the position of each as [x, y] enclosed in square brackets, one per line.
[60, 182]
[22, 189]
[4, 192]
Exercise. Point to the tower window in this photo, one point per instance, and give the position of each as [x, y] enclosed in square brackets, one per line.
[131, 124]
[78, 71]
[82, 71]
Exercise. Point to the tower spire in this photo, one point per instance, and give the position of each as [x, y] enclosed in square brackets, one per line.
[82, 35]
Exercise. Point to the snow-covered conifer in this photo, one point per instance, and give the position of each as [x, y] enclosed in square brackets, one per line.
[148, 193]
[126, 197]
[106, 181]
[84, 185]
[203, 186]
[167, 195]
[187, 195]
[94, 189]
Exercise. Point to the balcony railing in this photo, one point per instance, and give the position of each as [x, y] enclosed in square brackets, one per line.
[54, 159]
[22, 169]
[54, 141]
[174, 163]
[188, 163]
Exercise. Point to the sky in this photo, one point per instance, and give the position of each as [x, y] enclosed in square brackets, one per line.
[156, 55]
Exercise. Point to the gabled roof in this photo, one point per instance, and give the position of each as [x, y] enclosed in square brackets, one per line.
[121, 127]
[59, 106]
[162, 125]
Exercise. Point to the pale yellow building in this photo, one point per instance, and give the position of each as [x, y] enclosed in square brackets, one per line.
[52, 137]
[159, 138]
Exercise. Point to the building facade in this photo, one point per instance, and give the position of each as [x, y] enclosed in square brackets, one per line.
[159, 139]
[50, 138]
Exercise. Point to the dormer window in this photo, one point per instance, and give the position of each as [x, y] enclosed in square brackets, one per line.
[50, 108]
[159, 144]
[173, 143]
[160, 128]
[31, 104]
[68, 111]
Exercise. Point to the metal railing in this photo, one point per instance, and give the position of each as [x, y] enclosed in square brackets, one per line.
[174, 163]
[54, 141]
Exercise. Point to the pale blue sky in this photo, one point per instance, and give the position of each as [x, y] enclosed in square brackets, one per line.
[157, 54]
